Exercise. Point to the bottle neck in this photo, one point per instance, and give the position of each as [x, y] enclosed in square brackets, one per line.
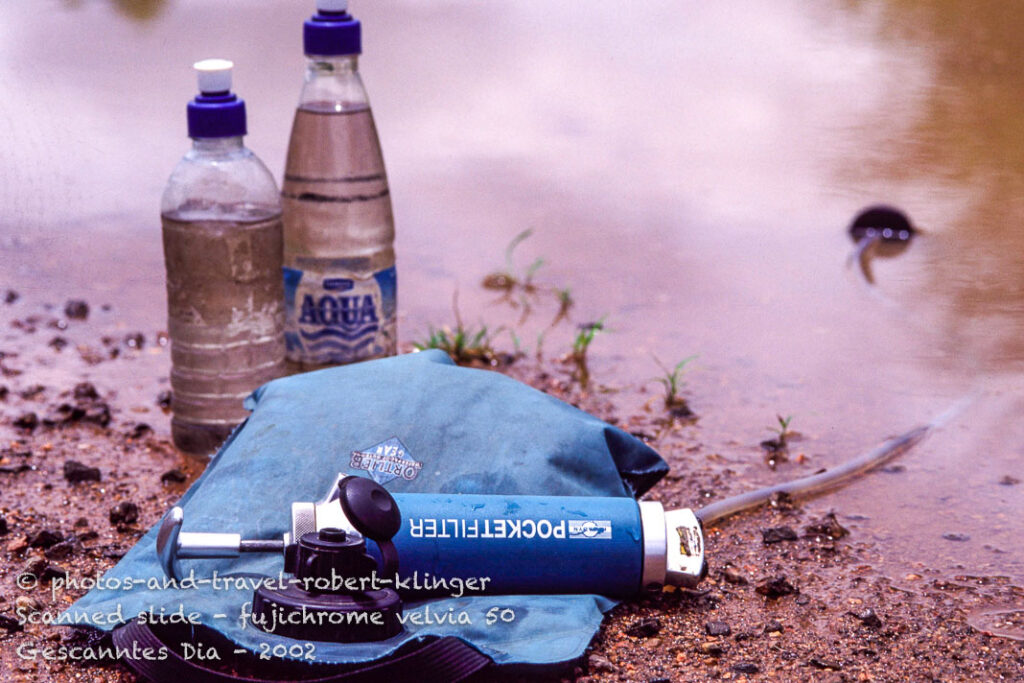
[217, 146]
[332, 84]
[332, 66]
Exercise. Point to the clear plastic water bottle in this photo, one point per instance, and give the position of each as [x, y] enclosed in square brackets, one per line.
[339, 230]
[222, 237]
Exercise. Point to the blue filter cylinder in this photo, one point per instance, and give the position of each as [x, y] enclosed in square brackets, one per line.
[521, 544]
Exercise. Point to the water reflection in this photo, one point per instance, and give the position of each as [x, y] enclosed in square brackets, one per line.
[967, 134]
[141, 10]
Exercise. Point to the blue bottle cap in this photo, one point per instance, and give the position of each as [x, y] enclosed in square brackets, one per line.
[332, 31]
[215, 112]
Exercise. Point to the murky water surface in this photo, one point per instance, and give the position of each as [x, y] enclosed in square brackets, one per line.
[688, 170]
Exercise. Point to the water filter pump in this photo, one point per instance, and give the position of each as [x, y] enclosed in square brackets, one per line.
[428, 542]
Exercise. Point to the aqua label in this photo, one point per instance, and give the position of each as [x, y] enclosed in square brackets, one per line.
[336, 319]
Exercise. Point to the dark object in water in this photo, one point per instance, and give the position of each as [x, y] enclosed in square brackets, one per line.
[879, 231]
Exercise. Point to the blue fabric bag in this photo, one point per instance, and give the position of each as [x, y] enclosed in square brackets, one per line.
[473, 431]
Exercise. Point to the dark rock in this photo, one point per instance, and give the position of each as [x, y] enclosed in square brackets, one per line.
[733, 577]
[64, 414]
[10, 296]
[36, 567]
[135, 340]
[58, 343]
[819, 663]
[99, 414]
[174, 476]
[645, 628]
[85, 391]
[1009, 481]
[27, 421]
[827, 527]
[124, 513]
[782, 501]
[44, 538]
[773, 627]
[163, 399]
[3, 392]
[775, 587]
[598, 663]
[88, 535]
[957, 538]
[661, 679]
[869, 618]
[16, 469]
[9, 624]
[81, 522]
[3, 526]
[61, 551]
[32, 391]
[52, 572]
[746, 668]
[140, 430]
[76, 472]
[777, 534]
[76, 309]
[717, 628]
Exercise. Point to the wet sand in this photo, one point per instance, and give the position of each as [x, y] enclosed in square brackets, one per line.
[794, 593]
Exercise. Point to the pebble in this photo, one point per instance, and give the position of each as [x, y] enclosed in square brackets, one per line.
[44, 538]
[76, 309]
[777, 534]
[645, 628]
[76, 472]
[35, 567]
[32, 391]
[140, 430]
[827, 526]
[135, 340]
[598, 663]
[58, 343]
[773, 627]
[819, 663]
[734, 577]
[717, 628]
[9, 624]
[869, 618]
[10, 296]
[163, 399]
[25, 604]
[1009, 481]
[174, 476]
[27, 421]
[98, 413]
[52, 572]
[775, 587]
[956, 538]
[746, 668]
[85, 391]
[712, 647]
[3, 526]
[61, 551]
[124, 513]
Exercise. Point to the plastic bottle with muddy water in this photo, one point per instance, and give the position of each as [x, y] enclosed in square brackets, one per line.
[223, 246]
[339, 257]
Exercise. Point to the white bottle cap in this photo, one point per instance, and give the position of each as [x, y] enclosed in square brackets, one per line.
[214, 75]
[332, 5]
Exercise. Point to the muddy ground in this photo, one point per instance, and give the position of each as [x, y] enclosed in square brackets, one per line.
[86, 467]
